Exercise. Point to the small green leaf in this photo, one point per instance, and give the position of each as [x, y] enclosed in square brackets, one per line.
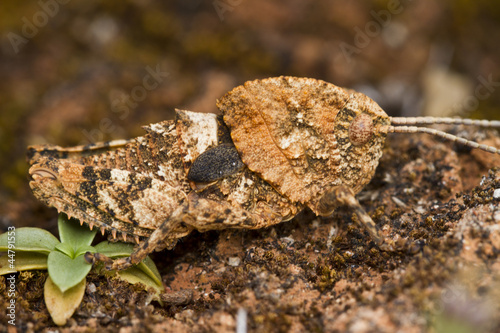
[23, 261]
[72, 233]
[84, 249]
[66, 272]
[134, 275]
[28, 239]
[148, 266]
[66, 249]
[117, 250]
[62, 305]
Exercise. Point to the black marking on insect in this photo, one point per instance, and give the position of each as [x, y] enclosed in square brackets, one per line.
[215, 163]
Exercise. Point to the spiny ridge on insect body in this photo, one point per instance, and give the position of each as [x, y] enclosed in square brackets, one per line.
[281, 144]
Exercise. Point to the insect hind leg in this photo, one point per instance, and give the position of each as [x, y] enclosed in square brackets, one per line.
[344, 196]
[196, 212]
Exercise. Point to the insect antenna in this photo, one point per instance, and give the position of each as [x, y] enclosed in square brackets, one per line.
[449, 121]
[443, 120]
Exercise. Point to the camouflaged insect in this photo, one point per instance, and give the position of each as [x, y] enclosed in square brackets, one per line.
[281, 144]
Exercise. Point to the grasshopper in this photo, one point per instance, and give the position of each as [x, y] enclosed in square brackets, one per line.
[281, 145]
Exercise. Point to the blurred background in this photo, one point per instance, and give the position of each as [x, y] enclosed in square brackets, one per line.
[75, 72]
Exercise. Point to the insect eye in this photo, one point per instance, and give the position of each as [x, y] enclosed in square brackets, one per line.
[361, 129]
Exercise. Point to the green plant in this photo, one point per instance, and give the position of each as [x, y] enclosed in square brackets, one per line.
[34, 248]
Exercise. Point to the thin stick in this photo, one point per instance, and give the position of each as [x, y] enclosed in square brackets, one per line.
[444, 135]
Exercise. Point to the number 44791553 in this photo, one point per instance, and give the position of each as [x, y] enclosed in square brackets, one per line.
[11, 241]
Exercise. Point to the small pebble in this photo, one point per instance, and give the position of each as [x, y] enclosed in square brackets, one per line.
[287, 240]
[398, 202]
[91, 288]
[496, 194]
[234, 261]
[496, 217]
[420, 210]
[241, 321]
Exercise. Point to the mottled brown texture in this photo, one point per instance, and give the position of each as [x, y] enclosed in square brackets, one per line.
[359, 162]
[283, 129]
[135, 187]
[361, 130]
[65, 80]
[303, 142]
[322, 274]
[294, 133]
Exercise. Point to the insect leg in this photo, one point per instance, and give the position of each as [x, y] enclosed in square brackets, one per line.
[199, 213]
[342, 195]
